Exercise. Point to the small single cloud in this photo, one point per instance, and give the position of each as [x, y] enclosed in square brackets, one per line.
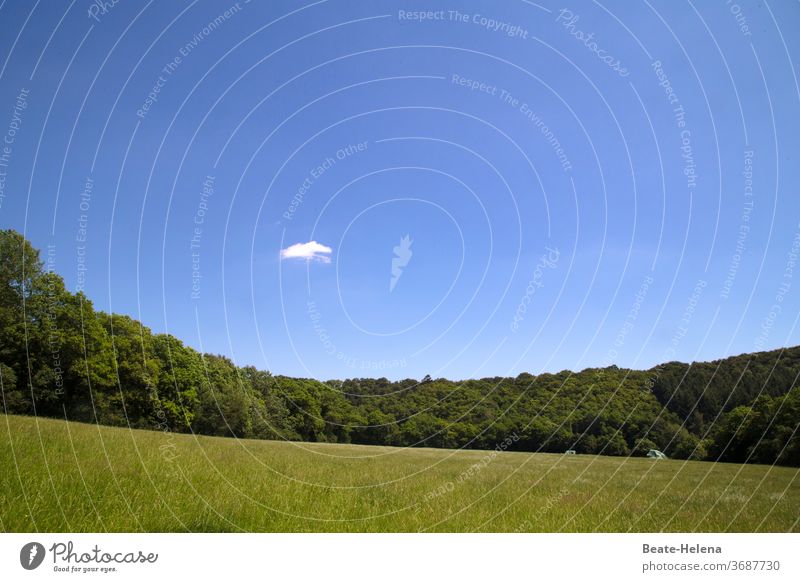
[310, 251]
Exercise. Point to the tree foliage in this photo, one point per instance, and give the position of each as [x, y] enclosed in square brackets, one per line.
[60, 357]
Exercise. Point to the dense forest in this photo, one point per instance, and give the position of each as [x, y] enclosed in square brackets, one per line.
[60, 357]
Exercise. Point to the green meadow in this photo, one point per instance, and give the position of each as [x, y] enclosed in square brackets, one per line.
[69, 477]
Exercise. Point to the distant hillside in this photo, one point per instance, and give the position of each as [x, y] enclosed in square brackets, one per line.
[61, 358]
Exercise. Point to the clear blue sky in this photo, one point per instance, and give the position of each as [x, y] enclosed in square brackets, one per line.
[575, 184]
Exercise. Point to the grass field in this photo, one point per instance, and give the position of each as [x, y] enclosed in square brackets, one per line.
[75, 477]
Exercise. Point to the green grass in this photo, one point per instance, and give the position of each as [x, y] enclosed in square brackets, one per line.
[62, 477]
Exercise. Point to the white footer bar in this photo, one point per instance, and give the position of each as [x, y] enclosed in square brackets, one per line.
[401, 557]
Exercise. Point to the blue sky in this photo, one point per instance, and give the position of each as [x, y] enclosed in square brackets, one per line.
[579, 186]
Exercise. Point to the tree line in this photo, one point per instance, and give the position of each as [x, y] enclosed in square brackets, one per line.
[61, 358]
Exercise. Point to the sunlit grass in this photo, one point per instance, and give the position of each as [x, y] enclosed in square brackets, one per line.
[76, 477]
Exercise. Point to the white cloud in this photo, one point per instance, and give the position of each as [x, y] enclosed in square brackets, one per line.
[308, 251]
